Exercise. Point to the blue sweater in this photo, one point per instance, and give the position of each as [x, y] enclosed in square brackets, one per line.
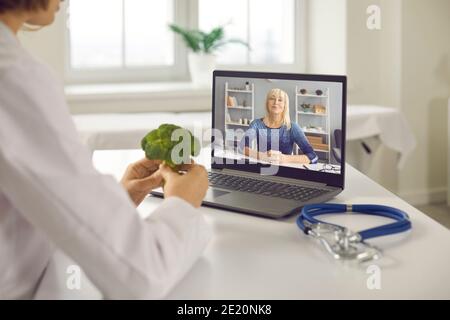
[287, 138]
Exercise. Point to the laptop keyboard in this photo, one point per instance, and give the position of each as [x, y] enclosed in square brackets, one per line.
[267, 188]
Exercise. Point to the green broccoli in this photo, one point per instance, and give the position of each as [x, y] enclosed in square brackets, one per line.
[158, 145]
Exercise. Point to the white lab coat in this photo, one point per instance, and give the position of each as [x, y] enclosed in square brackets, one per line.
[52, 197]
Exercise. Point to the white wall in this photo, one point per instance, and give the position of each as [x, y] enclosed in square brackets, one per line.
[425, 92]
[48, 43]
[405, 65]
[374, 75]
[374, 56]
[326, 34]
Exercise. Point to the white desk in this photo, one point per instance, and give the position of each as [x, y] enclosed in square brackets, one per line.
[257, 258]
[240, 158]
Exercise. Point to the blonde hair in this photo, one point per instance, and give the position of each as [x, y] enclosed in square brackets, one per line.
[285, 114]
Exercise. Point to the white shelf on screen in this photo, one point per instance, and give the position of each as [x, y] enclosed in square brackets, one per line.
[239, 91]
[312, 113]
[314, 131]
[236, 124]
[241, 108]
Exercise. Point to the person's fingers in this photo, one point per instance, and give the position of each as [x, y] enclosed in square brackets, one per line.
[153, 181]
[186, 167]
[197, 170]
[156, 176]
[149, 164]
[196, 167]
[166, 171]
[142, 168]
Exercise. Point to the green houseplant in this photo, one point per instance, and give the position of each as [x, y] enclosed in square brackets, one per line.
[203, 46]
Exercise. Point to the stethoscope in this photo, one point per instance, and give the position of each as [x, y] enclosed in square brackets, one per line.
[344, 244]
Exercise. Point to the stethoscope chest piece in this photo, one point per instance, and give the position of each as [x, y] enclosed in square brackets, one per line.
[344, 244]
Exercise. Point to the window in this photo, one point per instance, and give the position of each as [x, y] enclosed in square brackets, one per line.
[125, 36]
[267, 25]
[129, 40]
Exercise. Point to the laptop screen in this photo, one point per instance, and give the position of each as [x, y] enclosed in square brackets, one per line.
[279, 123]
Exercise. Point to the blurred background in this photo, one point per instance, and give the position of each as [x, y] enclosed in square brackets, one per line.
[119, 61]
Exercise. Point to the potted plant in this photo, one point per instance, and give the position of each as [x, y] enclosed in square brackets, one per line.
[203, 46]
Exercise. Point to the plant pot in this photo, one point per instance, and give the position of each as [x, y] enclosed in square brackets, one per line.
[201, 67]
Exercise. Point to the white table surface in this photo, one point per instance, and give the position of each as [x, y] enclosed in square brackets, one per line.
[257, 258]
[228, 154]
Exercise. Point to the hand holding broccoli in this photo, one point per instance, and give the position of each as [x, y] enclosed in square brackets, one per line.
[143, 176]
[140, 178]
[191, 186]
[174, 146]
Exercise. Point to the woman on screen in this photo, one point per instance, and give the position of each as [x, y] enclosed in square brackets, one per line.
[276, 125]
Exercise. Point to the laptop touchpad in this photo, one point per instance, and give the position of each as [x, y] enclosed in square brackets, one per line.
[256, 202]
[213, 194]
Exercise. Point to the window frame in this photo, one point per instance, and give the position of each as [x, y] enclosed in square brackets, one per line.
[186, 13]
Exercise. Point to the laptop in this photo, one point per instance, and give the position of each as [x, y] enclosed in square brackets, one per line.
[278, 141]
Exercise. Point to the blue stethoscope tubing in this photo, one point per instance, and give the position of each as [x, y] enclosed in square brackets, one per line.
[403, 223]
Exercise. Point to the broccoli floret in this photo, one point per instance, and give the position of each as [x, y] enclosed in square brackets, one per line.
[158, 145]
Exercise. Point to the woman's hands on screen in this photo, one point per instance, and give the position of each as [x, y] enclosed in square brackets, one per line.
[273, 156]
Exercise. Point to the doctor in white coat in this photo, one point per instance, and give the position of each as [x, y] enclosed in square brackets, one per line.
[52, 198]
